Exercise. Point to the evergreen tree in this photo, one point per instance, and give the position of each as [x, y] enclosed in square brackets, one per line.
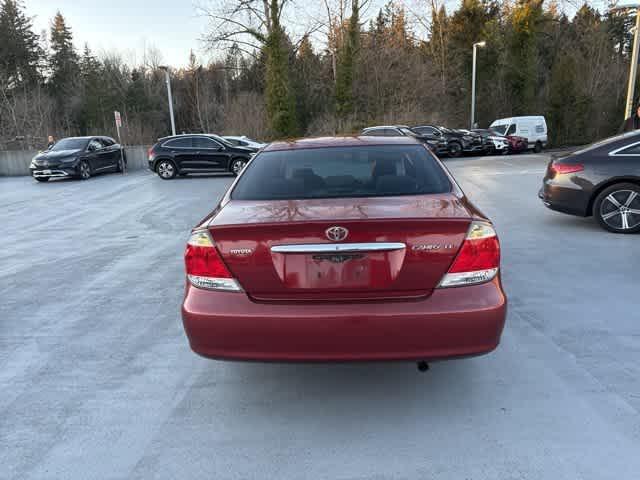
[91, 113]
[65, 70]
[521, 63]
[346, 64]
[280, 99]
[20, 53]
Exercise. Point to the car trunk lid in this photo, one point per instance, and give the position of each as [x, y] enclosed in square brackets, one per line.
[395, 247]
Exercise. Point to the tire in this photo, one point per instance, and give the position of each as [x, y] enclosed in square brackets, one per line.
[455, 149]
[237, 164]
[120, 165]
[84, 170]
[166, 169]
[617, 208]
[41, 179]
[537, 148]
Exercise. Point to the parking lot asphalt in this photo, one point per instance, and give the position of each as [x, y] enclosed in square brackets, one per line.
[97, 379]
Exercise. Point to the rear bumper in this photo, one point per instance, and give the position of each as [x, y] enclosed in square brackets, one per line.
[570, 199]
[454, 322]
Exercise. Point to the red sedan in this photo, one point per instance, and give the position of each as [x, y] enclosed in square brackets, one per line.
[342, 249]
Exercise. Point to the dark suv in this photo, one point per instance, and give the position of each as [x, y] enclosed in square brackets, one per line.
[437, 145]
[196, 153]
[459, 141]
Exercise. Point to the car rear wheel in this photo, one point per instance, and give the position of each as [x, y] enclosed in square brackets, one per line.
[455, 149]
[42, 179]
[538, 147]
[120, 164]
[85, 170]
[617, 208]
[237, 165]
[166, 169]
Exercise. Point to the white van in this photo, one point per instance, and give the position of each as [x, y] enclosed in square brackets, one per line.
[534, 129]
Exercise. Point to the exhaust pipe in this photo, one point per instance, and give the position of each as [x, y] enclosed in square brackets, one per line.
[423, 366]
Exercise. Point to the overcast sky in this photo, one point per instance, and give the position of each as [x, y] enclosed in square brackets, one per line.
[174, 27]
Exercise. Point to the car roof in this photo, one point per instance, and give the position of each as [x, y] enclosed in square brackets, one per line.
[385, 126]
[185, 135]
[348, 141]
[523, 117]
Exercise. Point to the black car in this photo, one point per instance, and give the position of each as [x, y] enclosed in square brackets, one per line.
[602, 180]
[196, 153]
[459, 141]
[437, 145]
[78, 157]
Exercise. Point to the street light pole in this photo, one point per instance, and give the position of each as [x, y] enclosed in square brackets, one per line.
[473, 82]
[168, 82]
[634, 68]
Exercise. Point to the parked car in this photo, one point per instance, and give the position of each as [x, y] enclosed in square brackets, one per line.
[533, 128]
[78, 157]
[196, 153]
[244, 141]
[438, 145]
[459, 142]
[517, 144]
[344, 249]
[602, 180]
[494, 144]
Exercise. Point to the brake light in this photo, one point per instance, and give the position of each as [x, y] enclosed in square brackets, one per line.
[204, 266]
[478, 260]
[563, 168]
[150, 153]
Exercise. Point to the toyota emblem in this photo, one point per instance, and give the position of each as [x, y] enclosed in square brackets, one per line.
[336, 234]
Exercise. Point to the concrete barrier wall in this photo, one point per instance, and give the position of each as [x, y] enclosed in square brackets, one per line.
[16, 163]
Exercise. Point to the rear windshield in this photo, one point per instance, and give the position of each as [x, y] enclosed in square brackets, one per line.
[370, 171]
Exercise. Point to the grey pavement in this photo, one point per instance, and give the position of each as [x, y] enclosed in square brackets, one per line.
[97, 379]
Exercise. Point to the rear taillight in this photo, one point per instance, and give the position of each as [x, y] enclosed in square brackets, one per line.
[478, 260]
[150, 153]
[205, 268]
[564, 168]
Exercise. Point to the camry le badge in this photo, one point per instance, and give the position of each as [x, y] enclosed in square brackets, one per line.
[432, 246]
[336, 234]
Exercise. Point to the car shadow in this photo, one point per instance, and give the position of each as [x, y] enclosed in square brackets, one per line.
[204, 175]
[336, 393]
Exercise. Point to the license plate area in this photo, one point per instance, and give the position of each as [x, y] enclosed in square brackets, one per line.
[341, 271]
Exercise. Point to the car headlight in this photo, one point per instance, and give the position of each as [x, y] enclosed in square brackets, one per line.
[467, 138]
[33, 163]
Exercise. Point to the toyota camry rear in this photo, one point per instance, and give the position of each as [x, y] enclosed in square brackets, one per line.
[340, 249]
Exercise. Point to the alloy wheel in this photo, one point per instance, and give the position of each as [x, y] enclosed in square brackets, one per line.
[237, 166]
[85, 171]
[166, 170]
[620, 210]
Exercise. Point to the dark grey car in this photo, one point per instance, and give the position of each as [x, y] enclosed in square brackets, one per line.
[602, 180]
[78, 157]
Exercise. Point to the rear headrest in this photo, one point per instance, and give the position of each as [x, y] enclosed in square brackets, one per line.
[390, 184]
[281, 186]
